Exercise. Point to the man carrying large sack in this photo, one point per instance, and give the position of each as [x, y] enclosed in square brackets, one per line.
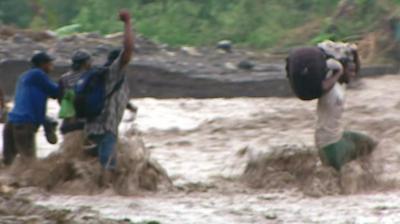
[339, 67]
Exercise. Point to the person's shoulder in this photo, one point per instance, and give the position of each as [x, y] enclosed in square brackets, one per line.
[36, 72]
[33, 73]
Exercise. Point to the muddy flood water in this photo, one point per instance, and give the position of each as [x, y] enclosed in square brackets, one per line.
[206, 147]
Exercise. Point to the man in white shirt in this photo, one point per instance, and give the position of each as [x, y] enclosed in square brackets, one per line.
[336, 146]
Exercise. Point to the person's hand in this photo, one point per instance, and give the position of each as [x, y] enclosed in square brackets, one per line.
[124, 16]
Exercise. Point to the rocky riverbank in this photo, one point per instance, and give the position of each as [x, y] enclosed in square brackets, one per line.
[158, 70]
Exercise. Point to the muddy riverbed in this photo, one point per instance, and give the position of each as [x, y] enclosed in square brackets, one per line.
[206, 145]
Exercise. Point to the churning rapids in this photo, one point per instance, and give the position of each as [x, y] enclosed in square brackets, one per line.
[252, 160]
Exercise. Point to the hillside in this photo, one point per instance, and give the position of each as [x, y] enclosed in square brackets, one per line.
[275, 25]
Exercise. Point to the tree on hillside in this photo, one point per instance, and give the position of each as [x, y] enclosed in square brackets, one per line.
[15, 12]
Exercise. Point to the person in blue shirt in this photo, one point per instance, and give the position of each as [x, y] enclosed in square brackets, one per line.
[33, 89]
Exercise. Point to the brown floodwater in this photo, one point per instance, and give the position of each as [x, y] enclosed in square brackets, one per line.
[205, 146]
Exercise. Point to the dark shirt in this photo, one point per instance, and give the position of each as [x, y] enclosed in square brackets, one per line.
[111, 116]
[33, 89]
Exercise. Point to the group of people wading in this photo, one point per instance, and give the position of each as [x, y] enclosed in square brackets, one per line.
[93, 100]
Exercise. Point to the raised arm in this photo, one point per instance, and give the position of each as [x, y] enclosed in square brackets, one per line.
[128, 42]
[337, 70]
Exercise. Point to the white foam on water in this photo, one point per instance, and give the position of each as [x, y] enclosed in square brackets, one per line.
[195, 141]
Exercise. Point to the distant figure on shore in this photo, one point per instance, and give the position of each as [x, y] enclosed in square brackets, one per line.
[330, 73]
[33, 89]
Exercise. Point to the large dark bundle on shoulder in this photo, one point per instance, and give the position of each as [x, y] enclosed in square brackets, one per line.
[306, 69]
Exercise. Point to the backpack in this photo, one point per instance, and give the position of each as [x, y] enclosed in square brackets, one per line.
[90, 93]
[306, 70]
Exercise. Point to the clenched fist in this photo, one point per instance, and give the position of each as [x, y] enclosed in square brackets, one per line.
[124, 16]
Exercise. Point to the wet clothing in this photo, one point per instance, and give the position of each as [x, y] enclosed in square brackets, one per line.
[104, 128]
[337, 147]
[29, 112]
[329, 110]
[351, 146]
[33, 89]
[19, 139]
[106, 144]
[331, 104]
[115, 105]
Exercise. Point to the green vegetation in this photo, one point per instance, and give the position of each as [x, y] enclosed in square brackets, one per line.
[255, 23]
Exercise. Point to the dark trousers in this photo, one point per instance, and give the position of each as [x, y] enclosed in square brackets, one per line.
[19, 139]
[352, 146]
[106, 146]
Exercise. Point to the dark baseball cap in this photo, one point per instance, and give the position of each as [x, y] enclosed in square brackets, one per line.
[41, 58]
[80, 56]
